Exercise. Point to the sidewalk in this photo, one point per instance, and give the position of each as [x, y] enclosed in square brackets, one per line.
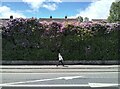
[60, 67]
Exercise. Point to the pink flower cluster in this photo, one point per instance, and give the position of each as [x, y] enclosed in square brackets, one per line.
[32, 25]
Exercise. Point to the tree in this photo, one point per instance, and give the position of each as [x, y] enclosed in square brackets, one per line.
[80, 18]
[86, 19]
[114, 15]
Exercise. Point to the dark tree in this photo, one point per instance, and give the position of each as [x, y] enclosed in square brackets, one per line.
[114, 12]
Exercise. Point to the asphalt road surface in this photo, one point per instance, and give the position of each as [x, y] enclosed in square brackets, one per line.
[87, 79]
[60, 80]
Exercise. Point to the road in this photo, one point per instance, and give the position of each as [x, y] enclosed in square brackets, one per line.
[85, 79]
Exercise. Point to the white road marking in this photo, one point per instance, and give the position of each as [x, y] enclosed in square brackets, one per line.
[92, 85]
[66, 78]
[102, 85]
[69, 77]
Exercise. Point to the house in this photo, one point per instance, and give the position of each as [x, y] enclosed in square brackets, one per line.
[73, 20]
[99, 20]
[59, 19]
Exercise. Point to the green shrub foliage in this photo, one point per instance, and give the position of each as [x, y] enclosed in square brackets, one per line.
[31, 39]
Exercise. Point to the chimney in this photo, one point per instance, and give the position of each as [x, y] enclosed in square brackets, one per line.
[50, 17]
[11, 17]
[65, 17]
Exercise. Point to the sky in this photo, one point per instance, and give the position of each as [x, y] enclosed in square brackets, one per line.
[93, 9]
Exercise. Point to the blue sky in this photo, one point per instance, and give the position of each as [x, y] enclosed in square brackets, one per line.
[56, 8]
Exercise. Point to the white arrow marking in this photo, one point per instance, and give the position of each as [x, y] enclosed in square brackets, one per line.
[66, 78]
[70, 77]
[102, 85]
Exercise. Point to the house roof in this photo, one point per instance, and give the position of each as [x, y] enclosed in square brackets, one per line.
[99, 19]
[57, 19]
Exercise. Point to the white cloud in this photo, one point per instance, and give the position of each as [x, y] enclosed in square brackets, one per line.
[36, 4]
[5, 12]
[57, 1]
[51, 0]
[96, 10]
[50, 6]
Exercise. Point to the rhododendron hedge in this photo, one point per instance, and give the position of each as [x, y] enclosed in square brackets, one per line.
[32, 39]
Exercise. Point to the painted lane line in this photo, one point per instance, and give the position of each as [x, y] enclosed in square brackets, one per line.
[103, 85]
[30, 81]
[92, 85]
[66, 78]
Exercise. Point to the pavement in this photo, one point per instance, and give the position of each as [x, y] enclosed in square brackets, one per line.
[54, 68]
[59, 67]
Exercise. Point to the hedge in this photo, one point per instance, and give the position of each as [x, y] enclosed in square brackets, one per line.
[31, 39]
